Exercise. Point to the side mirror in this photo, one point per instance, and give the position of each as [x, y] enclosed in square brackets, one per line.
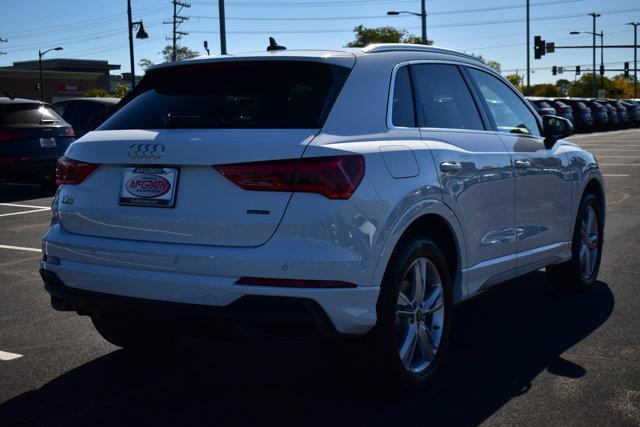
[555, 128]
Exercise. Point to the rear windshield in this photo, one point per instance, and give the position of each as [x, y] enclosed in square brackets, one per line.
[579, 105]
[27, 114]
[542, 104]
[236, 95]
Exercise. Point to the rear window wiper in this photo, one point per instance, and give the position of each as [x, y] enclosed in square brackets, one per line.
[175, 120]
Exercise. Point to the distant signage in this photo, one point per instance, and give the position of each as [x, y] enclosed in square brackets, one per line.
[602, 93]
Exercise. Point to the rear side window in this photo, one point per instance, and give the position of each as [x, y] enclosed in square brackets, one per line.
[403, 113]
[444, 98]
[509, 112]
[236, 95]
[27, 115]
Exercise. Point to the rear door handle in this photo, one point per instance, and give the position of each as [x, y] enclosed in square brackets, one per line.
[522, 163]
[450, 166]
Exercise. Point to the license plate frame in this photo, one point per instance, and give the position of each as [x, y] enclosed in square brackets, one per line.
[46, 143]
[144, 186]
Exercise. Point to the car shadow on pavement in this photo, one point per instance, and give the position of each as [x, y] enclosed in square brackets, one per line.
[503, 340]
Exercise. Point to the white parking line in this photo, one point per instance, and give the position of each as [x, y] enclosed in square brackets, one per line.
[20, 248]
[618, 164]
[25, 212]
[24, 206]
[614, 174]
[6, 356]
[622, 157]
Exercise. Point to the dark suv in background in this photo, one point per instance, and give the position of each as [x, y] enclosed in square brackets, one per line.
[32, 139]
[598, 113]
[541, 106]
[84, 114]
[582, 116]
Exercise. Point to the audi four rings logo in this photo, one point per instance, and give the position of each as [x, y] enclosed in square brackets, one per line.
[146, 151]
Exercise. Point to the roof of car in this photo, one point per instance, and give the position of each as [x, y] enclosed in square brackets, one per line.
[5, 101]
[98, 100]
[345, 56]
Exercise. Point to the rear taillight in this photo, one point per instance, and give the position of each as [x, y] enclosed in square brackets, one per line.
[11, 135]
[334, 177]
[73, 172]
[69, 132]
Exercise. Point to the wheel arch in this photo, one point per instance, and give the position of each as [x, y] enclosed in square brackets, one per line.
[435, 220]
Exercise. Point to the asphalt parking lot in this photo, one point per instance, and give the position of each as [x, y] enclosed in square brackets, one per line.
[522, 353]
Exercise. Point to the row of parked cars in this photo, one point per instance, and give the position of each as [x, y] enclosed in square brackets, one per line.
[34, 134]
[588, 114]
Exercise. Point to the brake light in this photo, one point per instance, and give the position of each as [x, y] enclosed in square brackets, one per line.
[69, 132]
[293, 283]
[73, 172]
[9, 135]
[334, 177]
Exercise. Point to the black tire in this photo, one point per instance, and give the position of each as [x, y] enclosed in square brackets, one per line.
[387, 366]
[129, 338]
[567, 276]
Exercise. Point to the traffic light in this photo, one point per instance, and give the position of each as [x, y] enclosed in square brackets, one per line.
[577, 70]
[602, 70]
[538, 47]
[554, 70]
[626, 69]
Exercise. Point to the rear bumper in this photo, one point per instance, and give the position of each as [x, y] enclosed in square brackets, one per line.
[199, 276]
[255, 316]
[30, 169]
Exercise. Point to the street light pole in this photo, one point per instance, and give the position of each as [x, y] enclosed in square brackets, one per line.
[40, 55]
[130, 28]
[635, 58]
[593, 80]
[223, 31]
[602, 59]
[528, 88]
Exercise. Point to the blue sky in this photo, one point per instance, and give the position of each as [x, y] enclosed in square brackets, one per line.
[493, 28]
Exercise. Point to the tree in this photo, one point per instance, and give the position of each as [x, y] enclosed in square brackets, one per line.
[563, 85]
[96, 93]
[365, 36]
[516, 80]
[182, 53]
[145, 63]
[121, 90]
[490, 62]
[546, 89]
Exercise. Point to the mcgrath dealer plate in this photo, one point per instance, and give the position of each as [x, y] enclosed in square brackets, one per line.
[148, 186]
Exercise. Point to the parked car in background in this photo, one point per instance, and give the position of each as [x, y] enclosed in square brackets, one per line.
[84, 114]
[633, 111]
[32, 139]
[623, 114]
[598, 113]
[582, 118]
[562, 109]
[612, 112]
[541, 106]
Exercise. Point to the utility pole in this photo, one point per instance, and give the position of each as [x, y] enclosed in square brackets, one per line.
[130, 29]
[528, 88]
[593, 79]
[175, 22]
[601, 60]
[635, 58]
[423, 16]
[223, 30]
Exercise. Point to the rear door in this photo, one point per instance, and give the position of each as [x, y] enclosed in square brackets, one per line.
[543, 177]
[164, 142]
[474, 168]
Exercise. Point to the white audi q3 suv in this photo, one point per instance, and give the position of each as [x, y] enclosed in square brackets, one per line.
[349, 193]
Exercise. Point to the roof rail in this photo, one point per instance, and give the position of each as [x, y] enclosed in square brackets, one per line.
[390, 47]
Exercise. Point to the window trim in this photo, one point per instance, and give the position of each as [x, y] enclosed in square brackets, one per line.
[529, 107]
[472, 90]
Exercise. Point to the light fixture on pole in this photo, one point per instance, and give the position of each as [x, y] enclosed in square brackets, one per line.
[40, 55]
[635, 58]
[422, 15]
